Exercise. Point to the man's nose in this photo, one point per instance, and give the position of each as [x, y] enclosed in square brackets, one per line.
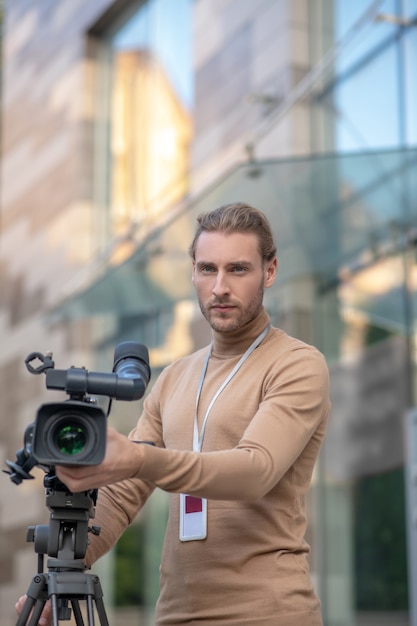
[221, 284]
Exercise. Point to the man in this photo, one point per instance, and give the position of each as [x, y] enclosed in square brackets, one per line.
[237, 428]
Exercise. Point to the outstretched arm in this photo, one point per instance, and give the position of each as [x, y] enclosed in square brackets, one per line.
[290, 421]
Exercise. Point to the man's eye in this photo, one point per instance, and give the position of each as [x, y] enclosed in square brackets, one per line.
[207, 269]
[238, 269]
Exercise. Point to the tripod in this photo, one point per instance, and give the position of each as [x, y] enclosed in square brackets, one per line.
[65, 541]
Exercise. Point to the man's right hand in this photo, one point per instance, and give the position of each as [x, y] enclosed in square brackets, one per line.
[46, 617]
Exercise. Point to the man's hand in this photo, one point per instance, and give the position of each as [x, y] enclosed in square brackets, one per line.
[123, 460]
[46, 617]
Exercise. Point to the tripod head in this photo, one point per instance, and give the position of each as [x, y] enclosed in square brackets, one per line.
[66, 537]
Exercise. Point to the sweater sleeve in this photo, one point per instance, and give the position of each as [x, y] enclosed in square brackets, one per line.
[117, 507]
[290, 419]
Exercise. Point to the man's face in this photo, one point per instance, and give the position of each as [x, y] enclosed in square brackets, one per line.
[230, 278]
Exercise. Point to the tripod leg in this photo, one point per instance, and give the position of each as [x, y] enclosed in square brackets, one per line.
[90, 611]
[54, 606]
[77, 612]
[101, 611]
[98, 597]
[36, 600]
[23, 619]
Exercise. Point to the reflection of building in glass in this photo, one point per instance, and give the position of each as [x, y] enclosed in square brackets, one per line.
[150, 138]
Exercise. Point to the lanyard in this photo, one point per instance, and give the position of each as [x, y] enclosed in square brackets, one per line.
[198, 440]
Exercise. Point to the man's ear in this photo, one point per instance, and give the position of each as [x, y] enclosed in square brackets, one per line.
[270, 272]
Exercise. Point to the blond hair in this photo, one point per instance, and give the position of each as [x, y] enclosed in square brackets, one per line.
[237, 217]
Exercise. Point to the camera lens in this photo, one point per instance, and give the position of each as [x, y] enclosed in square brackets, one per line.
[71, 439]
[71, 435]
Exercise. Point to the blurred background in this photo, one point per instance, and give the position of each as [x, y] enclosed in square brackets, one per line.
[121, 121]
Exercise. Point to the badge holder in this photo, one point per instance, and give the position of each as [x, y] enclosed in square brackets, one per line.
[193, 518]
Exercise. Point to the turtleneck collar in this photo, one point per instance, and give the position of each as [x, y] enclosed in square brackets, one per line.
[237, 341]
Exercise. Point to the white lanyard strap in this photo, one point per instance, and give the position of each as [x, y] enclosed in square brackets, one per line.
[198, 440]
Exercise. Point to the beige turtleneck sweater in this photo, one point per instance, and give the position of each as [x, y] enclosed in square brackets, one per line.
[261, 442]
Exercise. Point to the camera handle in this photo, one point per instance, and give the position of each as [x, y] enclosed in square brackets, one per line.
[65, 541]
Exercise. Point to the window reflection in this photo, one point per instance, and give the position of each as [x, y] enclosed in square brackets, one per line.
[151, 115]
[378, 50]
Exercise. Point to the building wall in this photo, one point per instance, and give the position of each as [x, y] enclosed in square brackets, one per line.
[46, 236]
[247, 60]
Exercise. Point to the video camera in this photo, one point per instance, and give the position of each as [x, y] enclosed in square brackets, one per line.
[73, 432]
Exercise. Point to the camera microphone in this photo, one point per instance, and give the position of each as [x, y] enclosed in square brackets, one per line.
[131, 364]
[128, 381]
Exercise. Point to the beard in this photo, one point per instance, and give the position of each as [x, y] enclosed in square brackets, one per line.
[234, 318]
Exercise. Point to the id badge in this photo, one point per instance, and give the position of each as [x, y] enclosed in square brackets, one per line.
[193, 518]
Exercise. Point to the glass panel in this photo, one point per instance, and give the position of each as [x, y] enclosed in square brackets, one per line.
[361, 113]
[364, 321]
[410, 8]
[369, 98]
[332, 215]
[410, 56]
[151, 115]
[374, 32]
